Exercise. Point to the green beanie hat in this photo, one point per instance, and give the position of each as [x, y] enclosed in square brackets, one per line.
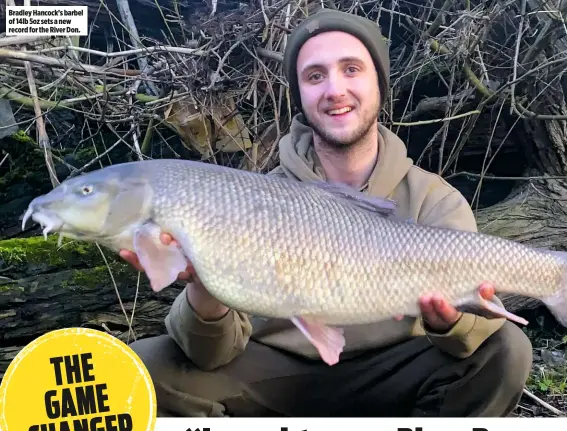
[362, 28]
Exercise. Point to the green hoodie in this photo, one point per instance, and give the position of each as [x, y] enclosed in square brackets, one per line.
[421, 195]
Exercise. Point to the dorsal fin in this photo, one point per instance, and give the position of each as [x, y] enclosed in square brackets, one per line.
[384, 207]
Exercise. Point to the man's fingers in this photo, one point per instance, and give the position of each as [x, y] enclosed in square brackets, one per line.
[128, 256]
[433, 320]
[428, 311]
[132, 259]
[425, 304]
[184, 275]
[167, 239]
[444, 310]
[487, 291]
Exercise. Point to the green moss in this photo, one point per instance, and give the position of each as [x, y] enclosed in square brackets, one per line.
[21, 136]
[85, 154]
[38, 250]
[92, 278]
[10, 287]
[28, 254]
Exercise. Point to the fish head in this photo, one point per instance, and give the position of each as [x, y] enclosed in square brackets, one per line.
[98, 206]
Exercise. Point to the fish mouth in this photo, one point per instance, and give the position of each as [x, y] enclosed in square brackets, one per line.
[52, 223]
[48, 221]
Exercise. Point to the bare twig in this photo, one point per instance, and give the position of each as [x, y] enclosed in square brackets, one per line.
[435, 120]
[156, 49]
[20, 40]
[510, 178]
[43, 138]
[64, 64]
[543, 403]
[124, 10]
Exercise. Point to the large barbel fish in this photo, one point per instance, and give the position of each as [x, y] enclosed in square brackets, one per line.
[319, 254]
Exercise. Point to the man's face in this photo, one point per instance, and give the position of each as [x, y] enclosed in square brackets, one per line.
[339, 87]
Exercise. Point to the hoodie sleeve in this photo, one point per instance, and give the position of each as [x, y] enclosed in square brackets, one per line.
[208, 344]
[471, 330]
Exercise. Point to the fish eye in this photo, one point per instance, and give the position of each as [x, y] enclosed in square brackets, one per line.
[86, 189]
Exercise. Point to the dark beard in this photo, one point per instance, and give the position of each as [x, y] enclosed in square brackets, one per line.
[341, 145]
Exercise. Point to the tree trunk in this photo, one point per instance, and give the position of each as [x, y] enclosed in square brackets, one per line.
[535, 212]
[534, 215]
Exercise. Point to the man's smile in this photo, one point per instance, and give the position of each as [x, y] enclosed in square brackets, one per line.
[340, 111]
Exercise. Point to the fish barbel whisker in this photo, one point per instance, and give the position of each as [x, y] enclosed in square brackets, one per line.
[27, 216]
[46, 221]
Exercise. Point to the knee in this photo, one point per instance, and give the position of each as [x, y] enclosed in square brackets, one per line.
[158, 355]
[491, 381]
[513, 356]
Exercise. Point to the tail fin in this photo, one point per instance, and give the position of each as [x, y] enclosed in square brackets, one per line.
[557, 303]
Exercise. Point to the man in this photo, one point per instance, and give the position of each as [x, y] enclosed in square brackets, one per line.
[215, 361]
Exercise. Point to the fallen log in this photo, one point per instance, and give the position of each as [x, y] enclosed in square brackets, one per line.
[44, 287]
[88, 297]
[34, 305]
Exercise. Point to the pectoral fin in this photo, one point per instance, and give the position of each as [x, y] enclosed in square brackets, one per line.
[162, 263]
[328, 341]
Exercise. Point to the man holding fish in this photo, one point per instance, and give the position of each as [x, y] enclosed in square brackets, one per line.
[216, 361]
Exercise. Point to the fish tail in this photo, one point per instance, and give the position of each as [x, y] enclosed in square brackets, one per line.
[557, 303]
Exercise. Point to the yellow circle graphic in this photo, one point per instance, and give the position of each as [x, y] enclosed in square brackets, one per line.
[77, 379]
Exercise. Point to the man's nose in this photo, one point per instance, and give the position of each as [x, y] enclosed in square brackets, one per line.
[335, 86]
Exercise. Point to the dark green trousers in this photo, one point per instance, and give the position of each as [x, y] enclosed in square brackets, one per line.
[413, 378]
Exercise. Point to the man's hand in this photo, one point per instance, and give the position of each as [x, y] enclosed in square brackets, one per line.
[204, 304]
[441, 316]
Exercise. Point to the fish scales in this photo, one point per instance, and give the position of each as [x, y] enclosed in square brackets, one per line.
[305, 253]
